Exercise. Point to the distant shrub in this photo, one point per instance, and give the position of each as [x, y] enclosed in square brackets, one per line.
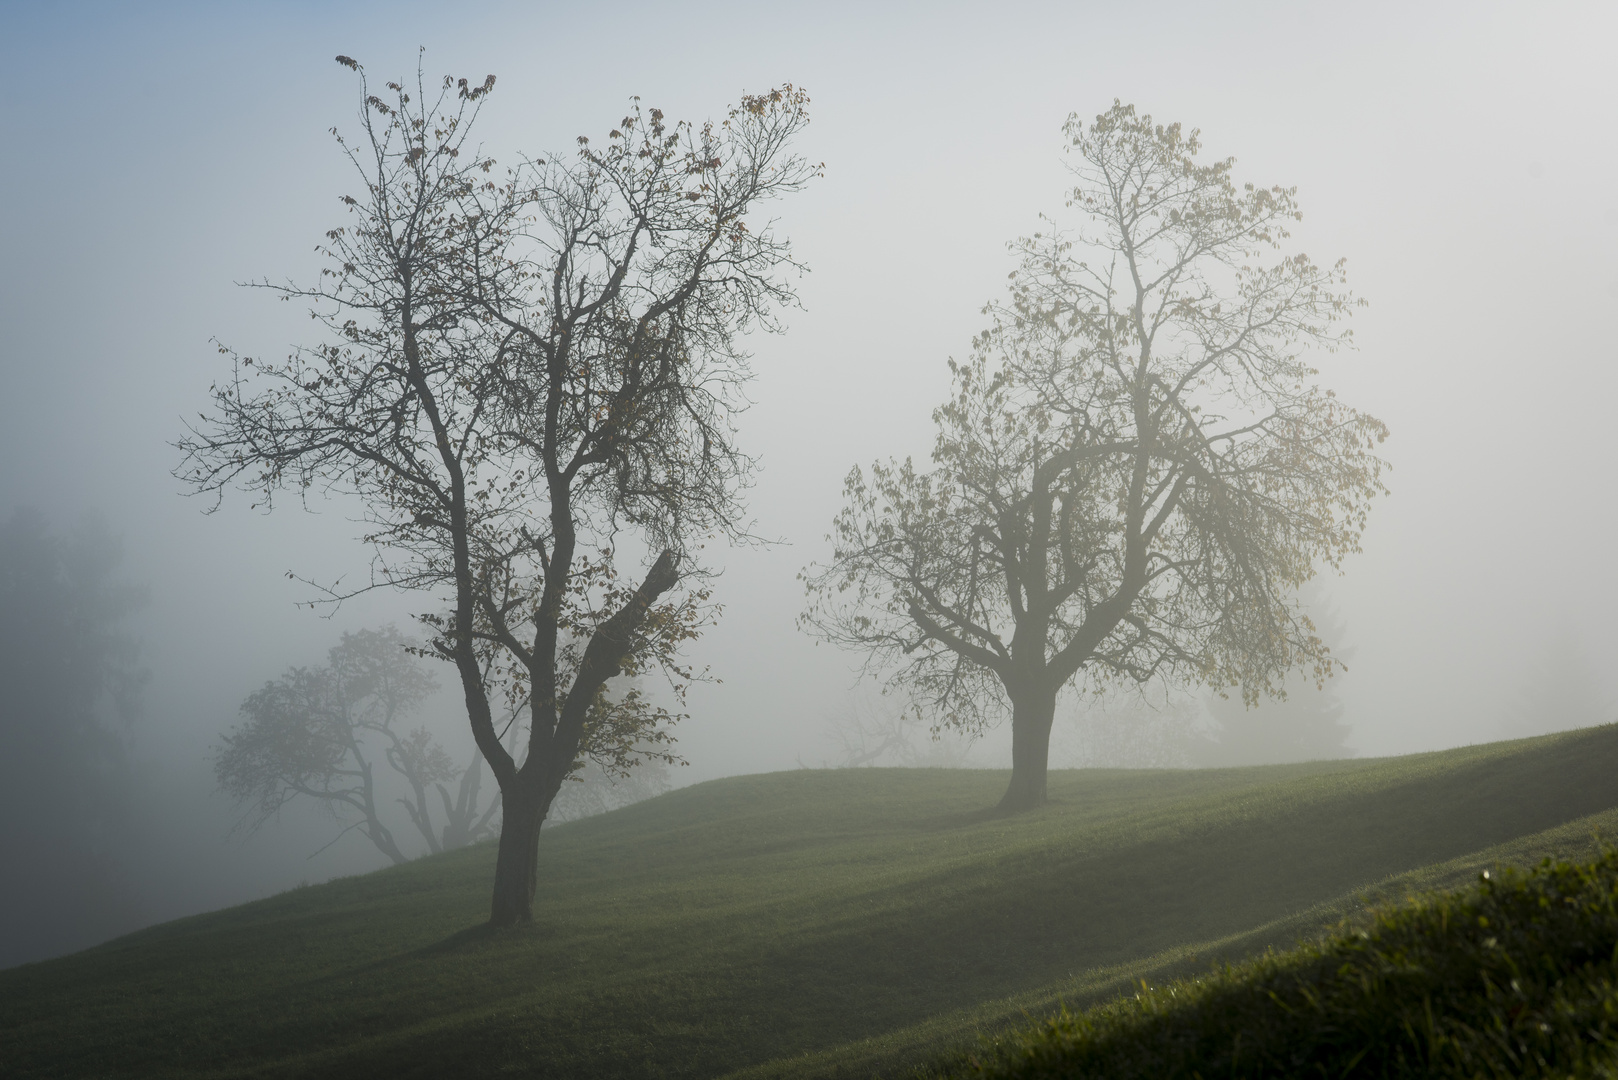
[1512, 977]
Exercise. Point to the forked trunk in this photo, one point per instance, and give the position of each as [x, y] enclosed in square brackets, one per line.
[516, 866]
[527, 796]
[1031, 718]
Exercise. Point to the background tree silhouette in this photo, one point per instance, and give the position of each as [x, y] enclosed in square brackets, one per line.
[70, 673]
[1558, 689]
[317, 733]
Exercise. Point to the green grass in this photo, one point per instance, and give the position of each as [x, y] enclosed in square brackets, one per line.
[1514, 977]
[814, 923]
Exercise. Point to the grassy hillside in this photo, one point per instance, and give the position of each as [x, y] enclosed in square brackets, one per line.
[796, 924]
[1514, 976]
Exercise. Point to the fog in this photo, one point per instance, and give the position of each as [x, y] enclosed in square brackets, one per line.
[1458, 155]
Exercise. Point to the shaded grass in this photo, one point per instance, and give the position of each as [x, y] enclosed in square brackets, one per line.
[1513, 977]
[798, 923]
[917, 1048]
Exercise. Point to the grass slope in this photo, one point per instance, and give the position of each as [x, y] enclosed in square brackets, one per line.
[796, 924]
[1511, 977]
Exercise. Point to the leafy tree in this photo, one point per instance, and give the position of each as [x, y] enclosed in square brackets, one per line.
[522, 372]
[68, 672]
[1135, 471]
[315, 733]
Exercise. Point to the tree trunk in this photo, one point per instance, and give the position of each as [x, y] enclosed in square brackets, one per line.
[516, 866]
[1031, 719]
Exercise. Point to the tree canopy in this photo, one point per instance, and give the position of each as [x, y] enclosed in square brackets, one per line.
[1137, 468]
[529, 379]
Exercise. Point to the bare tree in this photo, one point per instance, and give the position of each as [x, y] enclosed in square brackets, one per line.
[525, 371]
[315, 732]
[466, 820]
[1136, 470]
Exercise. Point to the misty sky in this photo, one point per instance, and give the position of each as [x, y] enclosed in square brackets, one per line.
[1459, 155]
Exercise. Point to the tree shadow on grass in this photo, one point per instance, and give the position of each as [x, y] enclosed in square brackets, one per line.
[462, 942]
